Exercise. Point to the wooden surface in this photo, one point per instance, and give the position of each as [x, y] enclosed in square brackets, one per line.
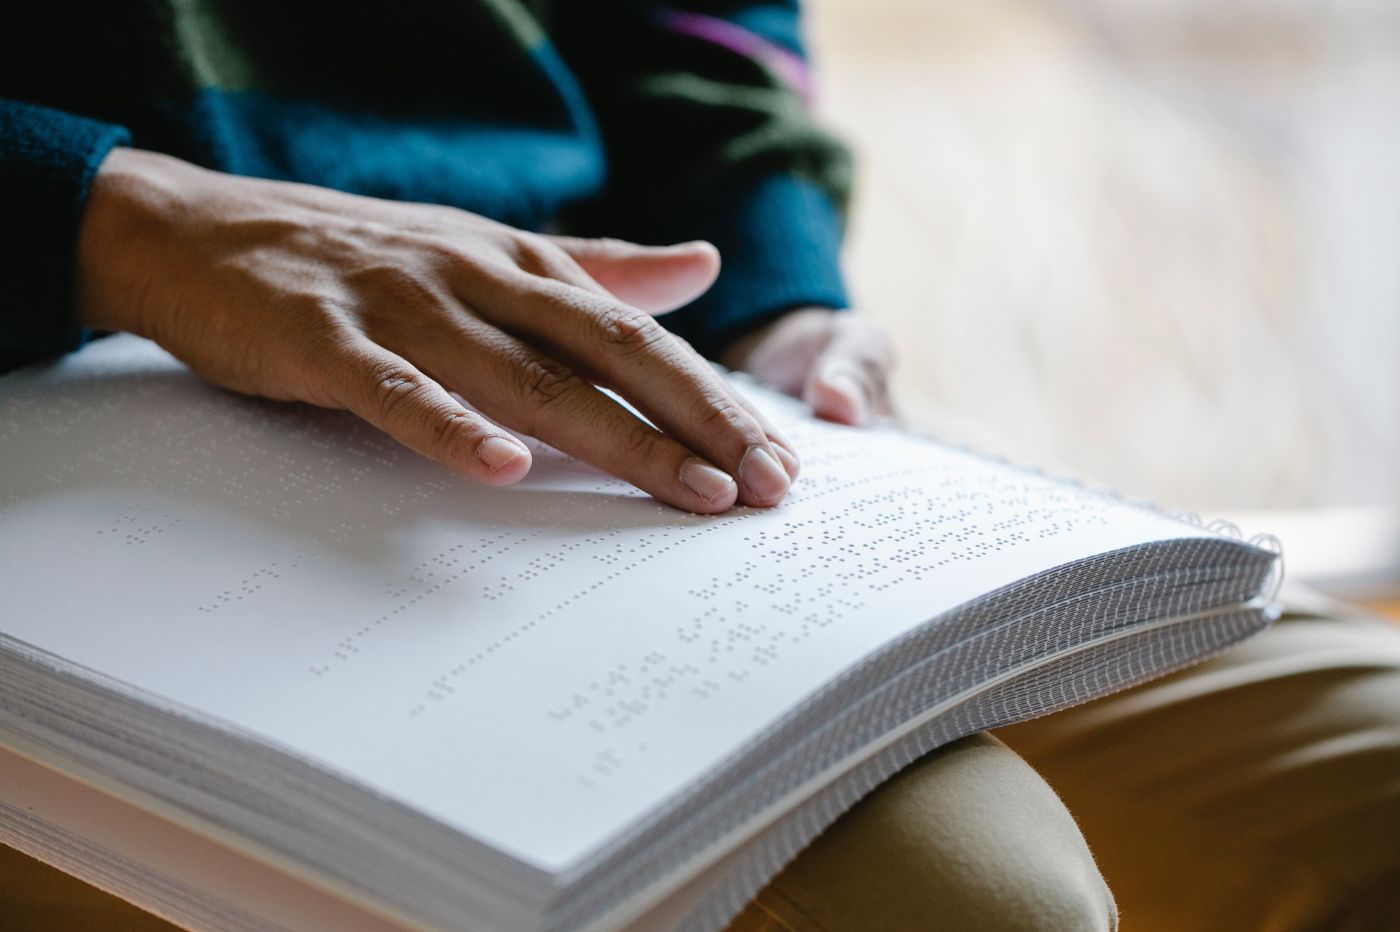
[1390, 608]
[36, 898]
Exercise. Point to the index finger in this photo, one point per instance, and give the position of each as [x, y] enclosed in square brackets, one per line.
[521, 388]
[626, 349]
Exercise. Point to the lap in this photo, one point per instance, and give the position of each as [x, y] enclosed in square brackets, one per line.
[968, 838]
[1260, 789]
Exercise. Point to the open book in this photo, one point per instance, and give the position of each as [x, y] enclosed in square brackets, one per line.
[269, 630]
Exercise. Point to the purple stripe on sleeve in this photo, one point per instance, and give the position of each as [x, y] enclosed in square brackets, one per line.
[788, 66]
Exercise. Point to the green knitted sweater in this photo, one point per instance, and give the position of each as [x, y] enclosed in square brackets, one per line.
[658, 123]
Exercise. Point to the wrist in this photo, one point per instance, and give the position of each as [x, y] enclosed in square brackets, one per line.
[133, 197]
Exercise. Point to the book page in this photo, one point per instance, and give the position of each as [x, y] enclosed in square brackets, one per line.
[537, 666]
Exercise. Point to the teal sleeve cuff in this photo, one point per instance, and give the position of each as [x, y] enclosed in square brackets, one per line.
[779, 238]
[47, 161]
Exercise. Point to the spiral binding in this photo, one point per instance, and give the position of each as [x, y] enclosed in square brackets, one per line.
[1274, 581]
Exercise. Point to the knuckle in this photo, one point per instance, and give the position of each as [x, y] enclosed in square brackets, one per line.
[402, 286]
[311, 306]
[543, 383]
[723, 416]
[640, 442]
[397, 391]
[446, 252]
[466, 259]
[314, 325]
[631, 330]
[534, 254]
[332, 341]
[453, 428]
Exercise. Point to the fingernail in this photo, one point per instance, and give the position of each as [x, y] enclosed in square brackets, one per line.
[788, 458]
[765, 478]
[498, 452]
[706, 481]
[851, 387]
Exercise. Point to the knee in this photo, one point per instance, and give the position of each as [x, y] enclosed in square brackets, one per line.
[992, 842]
[1054, 897]
[968, 838]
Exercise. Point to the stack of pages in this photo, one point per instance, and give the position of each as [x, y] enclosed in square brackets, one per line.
[259, 666]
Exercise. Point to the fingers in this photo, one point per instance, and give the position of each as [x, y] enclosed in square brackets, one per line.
[786, 452]
[396, 397]
[848, 383]
[656, 279]
[627, 350]
[533, 393]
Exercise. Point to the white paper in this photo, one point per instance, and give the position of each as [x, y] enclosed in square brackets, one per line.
[537, 666]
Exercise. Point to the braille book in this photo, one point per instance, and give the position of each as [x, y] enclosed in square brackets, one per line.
[262, 667]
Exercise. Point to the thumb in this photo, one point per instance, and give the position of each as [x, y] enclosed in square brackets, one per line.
[656, 279]
[848, 382]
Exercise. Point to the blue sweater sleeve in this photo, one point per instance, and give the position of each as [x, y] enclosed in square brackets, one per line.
[703, 109]
[47, 160]
[779, 237]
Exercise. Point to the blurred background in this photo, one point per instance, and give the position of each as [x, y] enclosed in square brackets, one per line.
[1153, 244]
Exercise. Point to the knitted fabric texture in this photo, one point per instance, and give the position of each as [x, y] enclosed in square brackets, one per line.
[657, 123]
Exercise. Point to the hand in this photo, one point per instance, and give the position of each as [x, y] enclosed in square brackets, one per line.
[301, 293]
[836, 361]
